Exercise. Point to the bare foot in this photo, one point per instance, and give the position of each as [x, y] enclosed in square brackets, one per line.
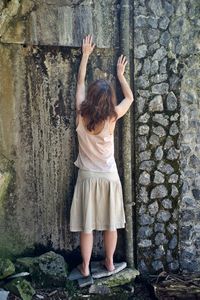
[109, 265]
[84, 271]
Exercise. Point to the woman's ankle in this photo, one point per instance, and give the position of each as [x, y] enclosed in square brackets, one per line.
[109, 264]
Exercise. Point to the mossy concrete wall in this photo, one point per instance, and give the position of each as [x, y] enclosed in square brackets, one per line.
[39, 57]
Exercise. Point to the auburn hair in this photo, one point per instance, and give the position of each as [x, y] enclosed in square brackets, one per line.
[99, 103]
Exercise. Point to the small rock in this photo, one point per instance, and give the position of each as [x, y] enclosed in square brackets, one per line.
[174, 117]
[154, 140]
[164, 22]
[140, 21]
[159, 78]
[153, 22]
[140, 51]
[99, 289]
[196, 193]
[144, 178]
[48, 269]
[146, 219]
[141, 104]
[167, 203]
[169, 8]
[144, 118]
[160, 251]
[143, 130]
[143, 195]
[163, 65]
[173, 129]
[39, 296]
[145, 243]
[174, 191]
[159, 118]
[6, 268]
[169, 256]
[145, 155]
[4, 294]
[171, 102]
[153, 48]
[158, 177]
[173, 178]
[174, 266]
[153, 208]
[165, 168]
[154, 67]
[159, 54]
[160, 88]
[173, 153]
[163, 216]
[160, 239]
[147, 165]
[159, 191]
[156, 7]
[21, 288]
[142, 82]
[159, 227]
[142, 210]
[172, 228]
[145, 232]
[159, 153]
[152, 35]
[156, 104]
[146, 66]
[173, 242]
[157, 265]
[141, 143]
[159, 130]
[169, 142]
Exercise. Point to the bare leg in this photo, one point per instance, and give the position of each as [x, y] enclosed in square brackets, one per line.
[110, 242]
[86, 243]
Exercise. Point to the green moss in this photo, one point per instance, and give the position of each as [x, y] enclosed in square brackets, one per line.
[6, 268]
[124, 277]
[20, 287]
[71, 288]
[4, 186]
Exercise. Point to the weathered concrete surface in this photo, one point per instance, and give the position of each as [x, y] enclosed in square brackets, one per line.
[38, 143]
[60, 23]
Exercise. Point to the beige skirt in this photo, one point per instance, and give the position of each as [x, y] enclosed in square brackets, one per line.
[97, 202]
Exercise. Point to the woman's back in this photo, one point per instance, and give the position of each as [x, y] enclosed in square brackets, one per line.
[96, 150]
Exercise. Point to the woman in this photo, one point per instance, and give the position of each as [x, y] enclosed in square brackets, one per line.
[98, 202]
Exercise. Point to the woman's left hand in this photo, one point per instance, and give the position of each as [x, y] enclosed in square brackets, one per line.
[87, 46]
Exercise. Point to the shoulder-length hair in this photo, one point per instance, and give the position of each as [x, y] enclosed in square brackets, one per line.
[99, 103]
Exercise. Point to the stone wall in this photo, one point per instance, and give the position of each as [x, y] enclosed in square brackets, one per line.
[167, 149]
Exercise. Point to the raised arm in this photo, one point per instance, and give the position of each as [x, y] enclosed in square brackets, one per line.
[87, 49]
[123, 107]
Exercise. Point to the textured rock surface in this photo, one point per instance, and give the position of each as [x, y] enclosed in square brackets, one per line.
[47, 270]
[168, 77]
[6, 268]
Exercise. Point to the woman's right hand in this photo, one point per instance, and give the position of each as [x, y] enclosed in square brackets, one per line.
[87, 46]
[121, 64]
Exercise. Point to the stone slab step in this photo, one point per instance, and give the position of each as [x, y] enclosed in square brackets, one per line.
[85, 281]
[123, 277]
[99, 270]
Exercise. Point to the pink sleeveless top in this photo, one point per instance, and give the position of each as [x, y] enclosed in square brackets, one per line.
[96, 152]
